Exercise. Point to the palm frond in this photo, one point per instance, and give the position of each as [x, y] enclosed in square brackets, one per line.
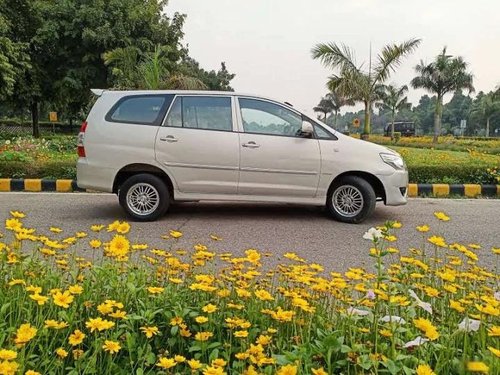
[390, 58]
[335, 56]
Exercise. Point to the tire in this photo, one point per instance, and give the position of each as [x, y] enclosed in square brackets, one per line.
[144, 197]
[351, 200]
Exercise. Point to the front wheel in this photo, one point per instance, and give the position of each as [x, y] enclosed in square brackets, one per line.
[351, 200]
[144, 197]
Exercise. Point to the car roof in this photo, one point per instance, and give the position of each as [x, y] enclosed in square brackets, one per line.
[121, 93]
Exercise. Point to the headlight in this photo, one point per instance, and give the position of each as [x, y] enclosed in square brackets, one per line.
[394, 161]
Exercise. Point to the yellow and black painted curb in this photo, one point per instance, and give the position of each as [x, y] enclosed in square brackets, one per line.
[446, 190]
[37, 184]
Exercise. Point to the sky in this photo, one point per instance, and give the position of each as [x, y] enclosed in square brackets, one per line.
[267, 43]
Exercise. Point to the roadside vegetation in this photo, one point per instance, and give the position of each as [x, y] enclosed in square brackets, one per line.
[102, 301]
[477, 161]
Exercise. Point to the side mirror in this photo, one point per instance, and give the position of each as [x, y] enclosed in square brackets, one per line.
[307, 129]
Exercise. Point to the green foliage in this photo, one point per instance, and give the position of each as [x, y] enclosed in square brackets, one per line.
[51, 169]
[354, 81]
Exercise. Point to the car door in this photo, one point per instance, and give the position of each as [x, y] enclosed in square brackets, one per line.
[198, 146]
[274, 159]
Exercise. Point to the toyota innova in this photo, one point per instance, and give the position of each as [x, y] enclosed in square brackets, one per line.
[152, 148]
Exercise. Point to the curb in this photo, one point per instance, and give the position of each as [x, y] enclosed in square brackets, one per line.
[37, 184]
[445, 190]
[414, 190]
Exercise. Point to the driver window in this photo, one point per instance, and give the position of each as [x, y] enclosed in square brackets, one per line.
[263, 117]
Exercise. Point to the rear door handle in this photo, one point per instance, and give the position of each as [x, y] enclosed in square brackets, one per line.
[251, 144]
[169, 138]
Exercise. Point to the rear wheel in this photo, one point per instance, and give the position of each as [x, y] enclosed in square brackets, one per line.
[144, 197]
[351, 200]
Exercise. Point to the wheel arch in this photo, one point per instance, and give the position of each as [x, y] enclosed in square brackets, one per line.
[132, 169]
[373, 180]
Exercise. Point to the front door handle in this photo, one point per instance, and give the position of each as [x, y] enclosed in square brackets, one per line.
[169, 138]
[251, 144]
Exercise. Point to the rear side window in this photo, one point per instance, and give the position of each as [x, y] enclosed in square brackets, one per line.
[201, 112]
[140, 109]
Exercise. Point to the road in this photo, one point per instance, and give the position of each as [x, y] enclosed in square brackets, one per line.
[273, 228]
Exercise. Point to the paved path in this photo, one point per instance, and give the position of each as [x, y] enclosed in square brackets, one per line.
[274, 228]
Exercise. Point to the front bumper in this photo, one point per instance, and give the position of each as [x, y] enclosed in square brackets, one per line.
[396, 188]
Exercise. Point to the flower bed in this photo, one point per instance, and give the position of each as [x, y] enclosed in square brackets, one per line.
[125, 308]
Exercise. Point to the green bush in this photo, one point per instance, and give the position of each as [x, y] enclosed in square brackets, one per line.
[52, 169]
[449, 174]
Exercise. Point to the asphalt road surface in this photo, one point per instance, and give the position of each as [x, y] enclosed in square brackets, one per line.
[277, 228]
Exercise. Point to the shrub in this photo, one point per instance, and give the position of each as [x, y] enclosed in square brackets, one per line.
[81, 304]
[50, 169]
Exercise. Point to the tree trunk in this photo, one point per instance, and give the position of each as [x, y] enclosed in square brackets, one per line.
[34, 118]
[367, 128]
[487, 127]
[335, 119]
[437, 119]
[326, 114]
[393, 118]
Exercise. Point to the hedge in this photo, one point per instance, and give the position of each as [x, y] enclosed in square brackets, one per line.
[52, 169]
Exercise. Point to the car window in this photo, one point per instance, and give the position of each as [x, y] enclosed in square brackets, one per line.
[263, 117]
[322, 133]
[138, 109]
[201, 112]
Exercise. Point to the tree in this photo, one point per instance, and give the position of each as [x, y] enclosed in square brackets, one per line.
[445, 74]
[324, 106]
[487, 107]
[393, 99]
[354, 81]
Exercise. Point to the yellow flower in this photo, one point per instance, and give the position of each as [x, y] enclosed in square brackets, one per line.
[319, 371]
[263, 340]
[478, 367]
[62, 299]
[123, 227]
[150, 331]
[385, 333]
[32, 372]
[17, 214]
[75, 289]
[438, 241]
[496, 352]
[175, 234]
[455, 305]
[263, 295]
[423, 228]
[425, 370]
[179, 358]
[494, 331]
[219, 362]
[61, 353]
[155, 289]
[496, 250]
[427, 328]
[211, 370]
[76, 337]
[194, 364]
[111, 347]
[203, 336]
[118, 314]
[488, 309]
[441, 216]
[118, 247]
[13, 224]
[55, 229]
[287, 370]
[176, 321]
[7, 355]
[201, 319]
[95, 244]
[99, 324]
[55, 324]
[17, 282]
[39, 298]
[24, 334]
[166, 363]
[209, 308]
[97, 227]
[241, 334]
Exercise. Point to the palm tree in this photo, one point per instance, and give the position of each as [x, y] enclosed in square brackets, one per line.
[445, 74]
[355, 82]
[393, 99]
[325, 106]
[487, 107]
